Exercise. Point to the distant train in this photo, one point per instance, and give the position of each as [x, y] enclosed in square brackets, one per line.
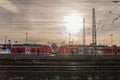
[65, 49]
[26, 49]
[88, 50]
[31, 49]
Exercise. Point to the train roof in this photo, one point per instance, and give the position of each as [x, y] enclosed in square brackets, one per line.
[86, 45]
[27, 44]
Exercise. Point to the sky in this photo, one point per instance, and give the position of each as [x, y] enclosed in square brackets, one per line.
[54, 20]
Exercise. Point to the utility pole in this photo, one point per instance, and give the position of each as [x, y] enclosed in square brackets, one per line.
[16, 42]
[84, 39]
[9, 41]
[111, 43]
[72, 41]
[94, 42]
[69, 42]
[5, 42]
[26, 37]
[69, 38]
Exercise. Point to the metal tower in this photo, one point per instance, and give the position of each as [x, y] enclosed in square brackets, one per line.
[94, 43]
[84, 40]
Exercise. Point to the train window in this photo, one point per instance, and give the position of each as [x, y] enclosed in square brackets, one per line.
[100, 49]
[42, 51]
[109, 50]
[45, 50]
[33, 50]
[118, 50]
[75, 50]
[64, 50]
[38, 51]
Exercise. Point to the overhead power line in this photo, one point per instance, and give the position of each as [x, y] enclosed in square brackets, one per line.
[113, 12]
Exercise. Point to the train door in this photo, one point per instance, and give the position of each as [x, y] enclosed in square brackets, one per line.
[64, 50]
[27, 50]
[81, 51]
[118, 50]
[87, 50]
[99, 50]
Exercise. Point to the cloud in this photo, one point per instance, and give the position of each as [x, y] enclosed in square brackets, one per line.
[6, 4]
[43, 19]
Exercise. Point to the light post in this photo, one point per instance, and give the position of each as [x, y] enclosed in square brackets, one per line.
[16, 42]
[69, 42]
[84, 40]
[26, 37]
[9, 41]
[72, 40]
[69, 38]
[111, 42]
[5, 42]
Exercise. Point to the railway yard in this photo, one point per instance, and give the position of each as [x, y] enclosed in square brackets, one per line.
[59, 67]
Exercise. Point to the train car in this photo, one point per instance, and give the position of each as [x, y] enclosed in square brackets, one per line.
[44, 49]
[65, 49]
[75, 49]
[31, 49]
[17, 49]
[100, 50]
[117, 50]
[108, 51]
[88, 50]
[35, 49]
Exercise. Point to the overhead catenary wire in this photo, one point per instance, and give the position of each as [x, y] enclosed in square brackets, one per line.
[117, 5]
[112, 11]
[103, 25]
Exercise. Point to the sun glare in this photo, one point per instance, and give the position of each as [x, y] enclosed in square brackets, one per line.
[73, 22]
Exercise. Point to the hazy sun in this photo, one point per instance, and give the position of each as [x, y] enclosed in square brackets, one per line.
[73, 22]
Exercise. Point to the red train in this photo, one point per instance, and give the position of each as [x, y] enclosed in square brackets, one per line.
[65, 49]
[31, 49]
[87, 50]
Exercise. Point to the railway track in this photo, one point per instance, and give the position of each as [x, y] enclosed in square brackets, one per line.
[70, 67]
